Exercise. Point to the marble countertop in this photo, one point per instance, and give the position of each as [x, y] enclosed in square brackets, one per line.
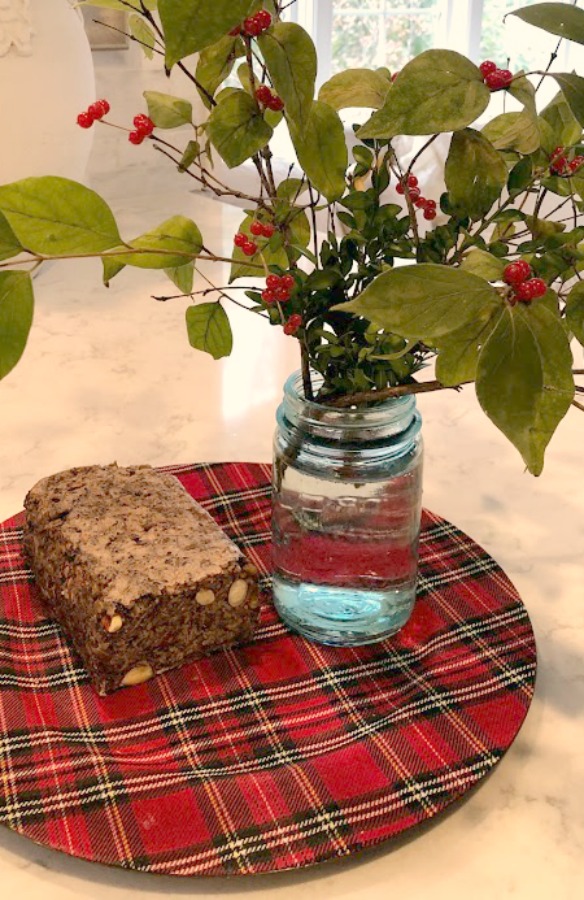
[109, 375]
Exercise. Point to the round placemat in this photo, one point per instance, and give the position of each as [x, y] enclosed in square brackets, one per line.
[275, 755]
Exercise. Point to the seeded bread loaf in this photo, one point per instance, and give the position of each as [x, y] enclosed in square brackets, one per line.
[137, 574]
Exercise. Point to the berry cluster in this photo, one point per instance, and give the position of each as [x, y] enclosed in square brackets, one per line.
[292, 325]
[96, 111]
[144, 127]
[241, 240]
[262, 229]
[254, 25]
[271, 101]
[561, 165]
[496, 79]
[525, 288]
[410, 184]
[278, 288]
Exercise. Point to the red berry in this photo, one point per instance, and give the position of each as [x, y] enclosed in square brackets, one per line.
[268, 296]
[430, 204]
[264, 18]
[429, 213]
[487, 67]
[268, 230]
[143, 124]
[576, 163]
[516, 272]
[394, 76]
[414, 193]
[95, 111]
[263, 94]
[240, 239]
[499, 79]
[420, 202]
[282, 293]
[276, 104]
[249, 248]
[136, 137]
[412, 181]
[400, 188]
[85, 120]
[103, 106]
[252, 27]
[559, 151]
[273, 282]
[287, 281]
[256, 228]
[235, 31]
[560, 166]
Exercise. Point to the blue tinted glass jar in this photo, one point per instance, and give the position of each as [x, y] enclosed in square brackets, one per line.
[347, 491]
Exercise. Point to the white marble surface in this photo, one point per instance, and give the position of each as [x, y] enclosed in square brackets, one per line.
[109, 375]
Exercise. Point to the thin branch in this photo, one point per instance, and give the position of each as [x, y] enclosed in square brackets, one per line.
[419, 153]
[415, 387]
[579, 406]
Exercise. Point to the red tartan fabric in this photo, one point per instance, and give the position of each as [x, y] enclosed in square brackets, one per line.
[279, 754]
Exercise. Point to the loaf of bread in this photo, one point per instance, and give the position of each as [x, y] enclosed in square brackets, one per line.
[137, 574]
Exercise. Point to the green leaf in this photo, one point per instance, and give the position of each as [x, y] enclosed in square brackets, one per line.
[16, 312]
[572, 87]
[524, 378]
[439, 90]
[237, 129]
[111, 268]
[424, 301]
[513, 131]
[356, 88]
[485, 265]
[520, 176]
[524, 92]
[192, 25]
[167, 111]
[458, 352]
[575, 311]
[215, 64]
[475, 174]
[192, 151]
[290, 57]
[182, 277]
[565, 128]
[143, 33]
[562, 19]
[54, 216]
[322, 150]
[171, 244]
[209, 330]
[9, 243]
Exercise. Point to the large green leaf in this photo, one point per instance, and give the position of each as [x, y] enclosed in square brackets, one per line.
[209, 330]
[439, 90]
[16, 312]
[322, 150]
[424, 301]
[215, 64]
[575, 311]
[290, 56]
[572, 87]
[565, 128]
[513, 131]
[562, 19]
[475, 173]
[192, 25]
[171, 244]
[167, 111]
[458, 352]
[55, 216]
[356, 88]
[237, 129]
[524, 378]
[9, 243]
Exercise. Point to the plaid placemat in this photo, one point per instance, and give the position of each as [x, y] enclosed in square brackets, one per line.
[279, 754]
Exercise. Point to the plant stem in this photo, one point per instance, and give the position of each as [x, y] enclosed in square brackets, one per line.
[400, 390]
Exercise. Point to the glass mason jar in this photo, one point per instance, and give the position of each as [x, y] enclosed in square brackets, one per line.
[347, 490]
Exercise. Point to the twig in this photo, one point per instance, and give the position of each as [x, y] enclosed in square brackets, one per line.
[579, 406]
[400, 390]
